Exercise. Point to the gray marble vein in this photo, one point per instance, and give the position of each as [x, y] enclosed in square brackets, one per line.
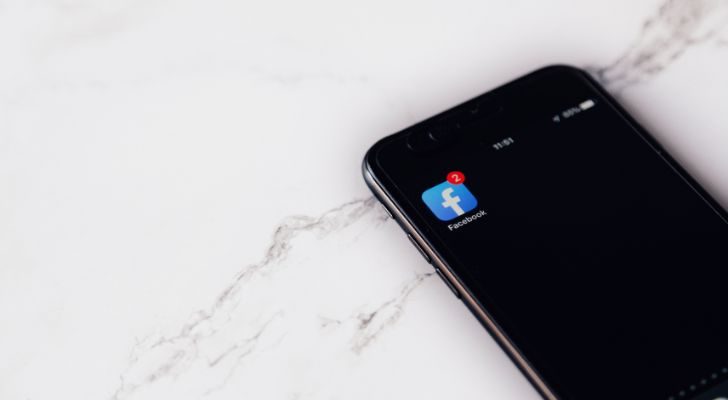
[372, 323]
[665, 37]
[239, 351]
[157, 357]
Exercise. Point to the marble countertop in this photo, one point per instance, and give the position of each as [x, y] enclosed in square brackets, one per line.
[182, 212]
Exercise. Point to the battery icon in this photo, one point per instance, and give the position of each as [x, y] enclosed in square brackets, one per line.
[585, 105]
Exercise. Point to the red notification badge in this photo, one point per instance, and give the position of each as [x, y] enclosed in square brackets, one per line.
[456, 177]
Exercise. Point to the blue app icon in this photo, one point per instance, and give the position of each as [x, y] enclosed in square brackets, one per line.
[448, 201]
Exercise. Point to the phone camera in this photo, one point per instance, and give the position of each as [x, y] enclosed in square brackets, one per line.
[433, 136]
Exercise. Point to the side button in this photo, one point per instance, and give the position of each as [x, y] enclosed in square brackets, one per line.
[417, 246]
[386, 210]
[447, 282]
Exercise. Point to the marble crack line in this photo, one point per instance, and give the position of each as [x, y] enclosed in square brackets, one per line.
[247, 344]
[170, 365]
[179, 349]
[241, 351]
[330, 221]
[371, 324]
[664, 38]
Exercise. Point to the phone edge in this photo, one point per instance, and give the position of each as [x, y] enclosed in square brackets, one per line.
[472, 304]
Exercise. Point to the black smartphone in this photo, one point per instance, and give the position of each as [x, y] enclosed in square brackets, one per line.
[597, 263]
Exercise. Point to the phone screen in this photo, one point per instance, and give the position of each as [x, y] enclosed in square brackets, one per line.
[603, 265]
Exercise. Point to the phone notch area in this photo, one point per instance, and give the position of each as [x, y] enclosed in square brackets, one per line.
[451, 126]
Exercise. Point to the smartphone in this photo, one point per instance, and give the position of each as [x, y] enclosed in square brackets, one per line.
[595, 261]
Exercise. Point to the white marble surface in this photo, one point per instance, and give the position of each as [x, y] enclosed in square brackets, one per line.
[181, 209]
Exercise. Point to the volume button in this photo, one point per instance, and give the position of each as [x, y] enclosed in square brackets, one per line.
[417, 246]
[386, 210]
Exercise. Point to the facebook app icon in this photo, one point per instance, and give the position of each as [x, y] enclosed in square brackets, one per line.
[448, 201]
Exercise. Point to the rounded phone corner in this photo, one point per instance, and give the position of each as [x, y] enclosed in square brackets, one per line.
[564, 68]
[369, 161]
